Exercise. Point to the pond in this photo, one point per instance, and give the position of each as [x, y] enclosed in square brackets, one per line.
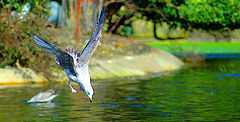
[209, 90]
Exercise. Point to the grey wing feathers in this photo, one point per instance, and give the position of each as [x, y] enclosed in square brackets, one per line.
[62, 58]
[93, 42]
[74, 53]
[44, 44]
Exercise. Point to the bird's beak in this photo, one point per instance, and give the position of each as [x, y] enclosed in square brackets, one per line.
[90, 100]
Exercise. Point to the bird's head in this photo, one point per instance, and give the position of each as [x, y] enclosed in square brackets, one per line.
[89, 91]
[85, 81]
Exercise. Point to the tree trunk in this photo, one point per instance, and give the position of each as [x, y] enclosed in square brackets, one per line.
[86, 24]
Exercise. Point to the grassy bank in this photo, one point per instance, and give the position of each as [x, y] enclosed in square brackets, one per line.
[198, 48]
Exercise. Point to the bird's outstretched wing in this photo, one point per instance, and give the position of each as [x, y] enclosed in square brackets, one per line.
[62, 58]
[93, 42]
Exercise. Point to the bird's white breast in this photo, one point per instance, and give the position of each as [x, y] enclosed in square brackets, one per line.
[83, 72]
[82, 77]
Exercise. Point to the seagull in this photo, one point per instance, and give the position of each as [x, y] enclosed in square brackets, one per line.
[74, 63]
[46, 96]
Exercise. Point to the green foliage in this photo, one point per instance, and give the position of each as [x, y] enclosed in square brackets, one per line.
[17, 5]
[212, 14]
[206, 14]
[16, 46]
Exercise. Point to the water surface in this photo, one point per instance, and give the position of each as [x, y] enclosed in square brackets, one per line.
[203, 91]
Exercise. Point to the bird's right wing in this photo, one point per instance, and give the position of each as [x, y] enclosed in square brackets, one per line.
[62, 58]
[93, 42]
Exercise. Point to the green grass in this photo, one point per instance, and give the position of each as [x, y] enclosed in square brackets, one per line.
[198, 48]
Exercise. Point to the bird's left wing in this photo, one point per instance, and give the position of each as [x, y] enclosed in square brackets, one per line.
[93, 42]
[62, 58]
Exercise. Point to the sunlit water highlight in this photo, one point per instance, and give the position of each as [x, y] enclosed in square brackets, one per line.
[209, 91]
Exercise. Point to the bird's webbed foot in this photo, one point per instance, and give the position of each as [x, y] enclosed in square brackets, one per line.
[73, 90]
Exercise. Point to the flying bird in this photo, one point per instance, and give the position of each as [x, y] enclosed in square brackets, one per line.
[74, 63]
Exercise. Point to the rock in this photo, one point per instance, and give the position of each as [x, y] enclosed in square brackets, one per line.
[235, 36]
[56, 13]
[23, 75]
[198, 35]
[136, 65]
[144, 29]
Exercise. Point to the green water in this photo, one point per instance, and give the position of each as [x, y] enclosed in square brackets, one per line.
[208, 91]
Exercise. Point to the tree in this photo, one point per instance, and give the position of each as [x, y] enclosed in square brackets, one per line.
[211, 15]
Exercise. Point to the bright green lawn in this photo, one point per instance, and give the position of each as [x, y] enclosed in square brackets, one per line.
[199, 48]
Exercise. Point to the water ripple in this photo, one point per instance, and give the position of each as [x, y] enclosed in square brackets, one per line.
[155, 107]
[164, 115]
[111, 105]
[229, 75]
[135, 105]
[130, 98]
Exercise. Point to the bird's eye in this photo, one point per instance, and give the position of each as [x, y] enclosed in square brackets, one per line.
[88, 93]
